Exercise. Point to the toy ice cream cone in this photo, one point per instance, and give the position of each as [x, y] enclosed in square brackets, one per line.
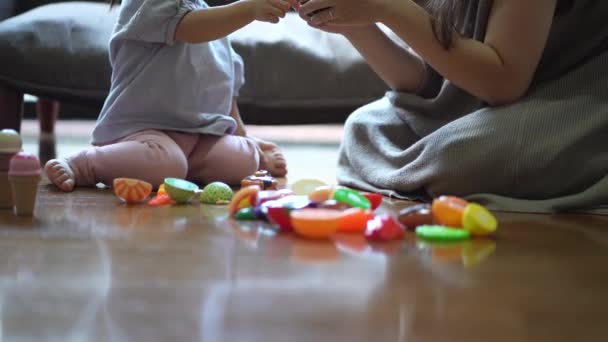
[24, 176]
[10, 144]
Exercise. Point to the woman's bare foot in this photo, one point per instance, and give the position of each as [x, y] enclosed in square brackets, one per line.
[272, 159]
[61, 174]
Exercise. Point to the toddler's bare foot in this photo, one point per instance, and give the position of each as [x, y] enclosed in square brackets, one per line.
[272, 158]
[61, 174]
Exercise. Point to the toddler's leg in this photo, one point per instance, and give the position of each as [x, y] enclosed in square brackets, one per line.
[227, 159]
[147, 155]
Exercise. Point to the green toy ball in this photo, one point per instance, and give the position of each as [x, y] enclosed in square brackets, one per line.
[216, 193]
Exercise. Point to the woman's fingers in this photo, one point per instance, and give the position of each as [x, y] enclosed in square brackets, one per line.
[323, 17]
[315, 5]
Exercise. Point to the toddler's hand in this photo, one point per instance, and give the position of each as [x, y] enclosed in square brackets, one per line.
[269, 10]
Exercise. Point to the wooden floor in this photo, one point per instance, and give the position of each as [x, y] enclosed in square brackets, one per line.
[87, 268]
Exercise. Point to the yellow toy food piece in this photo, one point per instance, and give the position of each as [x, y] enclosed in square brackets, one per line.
[478, 220]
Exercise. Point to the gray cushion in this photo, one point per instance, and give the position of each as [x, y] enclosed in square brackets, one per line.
[60, 51]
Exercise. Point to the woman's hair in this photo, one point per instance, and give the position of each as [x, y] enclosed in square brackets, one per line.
[447, 17]
[113, 2]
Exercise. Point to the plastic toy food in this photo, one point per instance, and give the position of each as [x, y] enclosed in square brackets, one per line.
[441, 233]
[278, 211]
[264, 196]
[315, 223]
[478, 220]
[161, 199]
[181, 191]
[374, 198]
[352, 197]
[243, 198]
[354, 220]
[24, 175]
[384, 228]
[321, 193]
[448, 210]
[131, 190]
[305, 186]
[217, 193]
[10, 144]
[262, 179]
[415, 216]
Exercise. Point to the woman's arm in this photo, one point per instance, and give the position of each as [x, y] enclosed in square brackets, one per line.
[400, 68]
[213, 23]
[498, 70]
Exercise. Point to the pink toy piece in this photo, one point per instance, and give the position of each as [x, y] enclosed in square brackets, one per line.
[264, 196]
[24, 164]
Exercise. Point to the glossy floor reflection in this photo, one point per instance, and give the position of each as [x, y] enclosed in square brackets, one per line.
[87, 268]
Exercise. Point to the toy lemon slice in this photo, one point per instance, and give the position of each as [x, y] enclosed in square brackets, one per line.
[181, 191]
[478, 220]
[131, 190]
[441, 233]
[305, 186]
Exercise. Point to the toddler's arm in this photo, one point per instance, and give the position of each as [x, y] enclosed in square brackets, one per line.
[217, 22]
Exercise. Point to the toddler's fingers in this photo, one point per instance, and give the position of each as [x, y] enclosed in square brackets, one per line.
[271, 18]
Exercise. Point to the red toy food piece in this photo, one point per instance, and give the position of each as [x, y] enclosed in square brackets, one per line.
[384, 228]
[448, 210]
[374, 198]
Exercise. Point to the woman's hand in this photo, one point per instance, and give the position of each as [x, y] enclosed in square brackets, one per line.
[331, 14]
[269, 10]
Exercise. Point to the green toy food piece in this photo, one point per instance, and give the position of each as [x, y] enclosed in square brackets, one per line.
[181, 191]
[352, 197]
[216, 193]
[245, 214]
[441, 233]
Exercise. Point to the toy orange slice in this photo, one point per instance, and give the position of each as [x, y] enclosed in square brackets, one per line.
[243, 198]
[448, 210]
[315, 223]
[131, 190]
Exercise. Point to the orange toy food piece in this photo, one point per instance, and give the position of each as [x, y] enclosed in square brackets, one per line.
[448, 210]
[243, 198]
[315, 223]
[161, 199]
[354, 220]
[131, 190]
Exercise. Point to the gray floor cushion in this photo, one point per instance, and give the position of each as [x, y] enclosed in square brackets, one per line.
[60, 50]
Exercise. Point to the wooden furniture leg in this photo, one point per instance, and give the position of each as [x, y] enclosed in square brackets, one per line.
[48, 112]
[11, 108]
